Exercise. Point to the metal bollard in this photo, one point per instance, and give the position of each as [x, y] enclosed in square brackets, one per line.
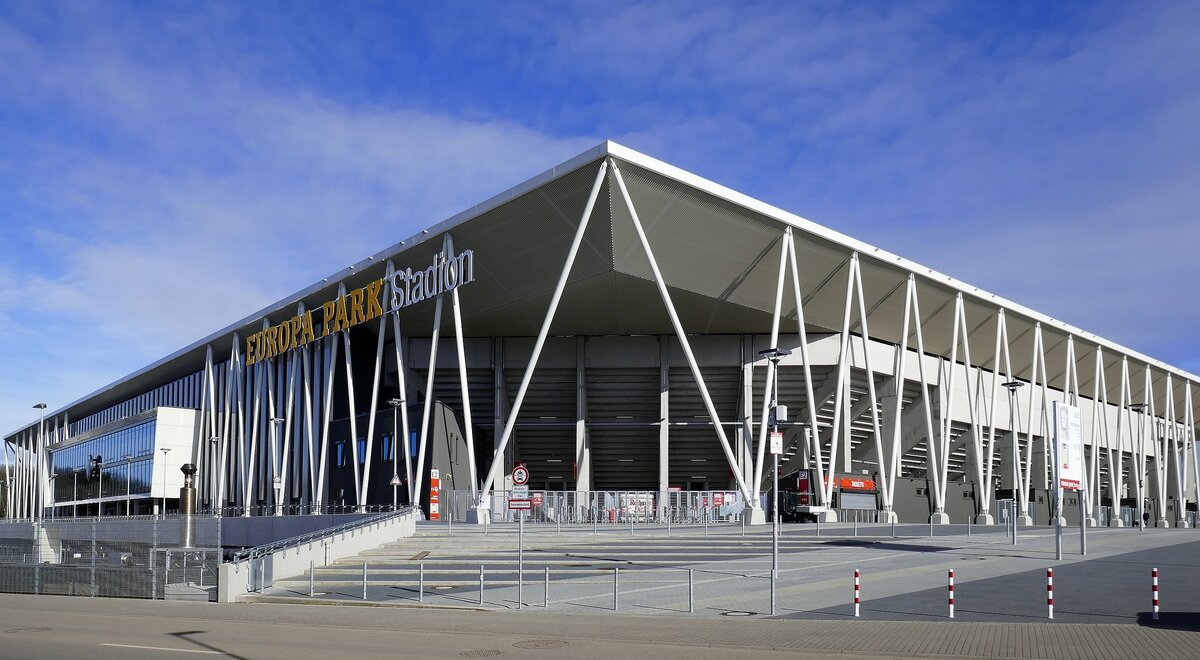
[950, 591]
[616, 588]
[481, 584]
[364, 580]
[968, 526]
[421, 583]
[893, 527]
[857, 600]
[1049, 593]
[691, 593]
[818, 524]
[546, 597]
[743, 524]
[1154, 589]
[311, 579]
[631, 525]
[930, 526]
[668, 523]
[706, 521]
[855, 523]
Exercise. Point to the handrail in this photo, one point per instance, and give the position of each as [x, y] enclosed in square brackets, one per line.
[258, 551]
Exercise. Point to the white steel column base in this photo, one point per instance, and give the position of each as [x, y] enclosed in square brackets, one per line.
[1183, 524]
[1116, 522]
[828, 516]
[1061, 520]
[888, 517]
[1163, 523]
[985, 519]
[1025, 521]
[1091, 522]
[478, 515]
[940, 518]
[755, 515]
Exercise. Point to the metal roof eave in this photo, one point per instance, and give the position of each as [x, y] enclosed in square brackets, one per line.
[609, 148]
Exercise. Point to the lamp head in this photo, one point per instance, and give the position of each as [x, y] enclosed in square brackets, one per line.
[40, 405]
[775, 353]
[395, 403]
[1137, 407]
[1014, 385]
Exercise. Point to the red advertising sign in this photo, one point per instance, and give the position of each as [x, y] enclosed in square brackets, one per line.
[435, 485]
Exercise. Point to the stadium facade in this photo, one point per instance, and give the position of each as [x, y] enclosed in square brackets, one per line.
[603, 323]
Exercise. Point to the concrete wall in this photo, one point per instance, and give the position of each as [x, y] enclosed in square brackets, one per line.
[244, 577]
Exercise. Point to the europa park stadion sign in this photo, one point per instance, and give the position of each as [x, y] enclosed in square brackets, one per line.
[408, 287]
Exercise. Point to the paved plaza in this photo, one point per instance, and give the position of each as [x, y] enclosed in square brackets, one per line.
[904, 577]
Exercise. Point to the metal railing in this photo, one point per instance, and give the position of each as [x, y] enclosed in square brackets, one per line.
[617, 507]
[251, 554]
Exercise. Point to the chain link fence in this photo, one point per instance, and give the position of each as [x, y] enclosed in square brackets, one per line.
[137, 557]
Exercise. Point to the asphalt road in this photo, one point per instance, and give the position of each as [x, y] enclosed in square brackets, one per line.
[78, 628]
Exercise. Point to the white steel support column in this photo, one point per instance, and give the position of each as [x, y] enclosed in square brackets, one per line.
[468, 425]
[285, 450]
[251, 466]
[419, 476]
[348, 362]
[481, 504]
[769, 385]
[931, 441]
[402, 385]
[885, 474]
[814, 446]
[682, 337]
[664, 415]
[1116, 465]
[1100, 439]
[329, 347]
[583, 447]
[365, 485]
[310, 482]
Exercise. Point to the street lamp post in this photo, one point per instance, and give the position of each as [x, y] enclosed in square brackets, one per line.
[214, 479]
[1012, 386]
[277, 481]
[165, 451]
[128, 461]
[1139, 456]
[38, 494]
[774, 354]
[395, 404]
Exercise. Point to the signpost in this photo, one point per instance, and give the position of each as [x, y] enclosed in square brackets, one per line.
[519, 501]
[1069, 471]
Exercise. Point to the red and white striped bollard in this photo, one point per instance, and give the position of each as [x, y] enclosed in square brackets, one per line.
[1154, 587]
[1050, 593]
[856, 593]
[950, 587]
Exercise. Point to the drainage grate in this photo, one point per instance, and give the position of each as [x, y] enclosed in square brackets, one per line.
[481, 653]
[542, 644]
[738, 613]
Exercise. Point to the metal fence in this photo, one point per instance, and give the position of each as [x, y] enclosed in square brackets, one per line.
[138, 557]
[604, 507]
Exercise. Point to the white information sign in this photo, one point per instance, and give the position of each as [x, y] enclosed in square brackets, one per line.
[1069, 439]
[520, 492]
[776, 443]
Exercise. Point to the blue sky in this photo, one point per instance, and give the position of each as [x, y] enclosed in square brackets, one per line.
[166, 170]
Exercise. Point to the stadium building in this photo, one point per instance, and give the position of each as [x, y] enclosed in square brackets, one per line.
[617, 324]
